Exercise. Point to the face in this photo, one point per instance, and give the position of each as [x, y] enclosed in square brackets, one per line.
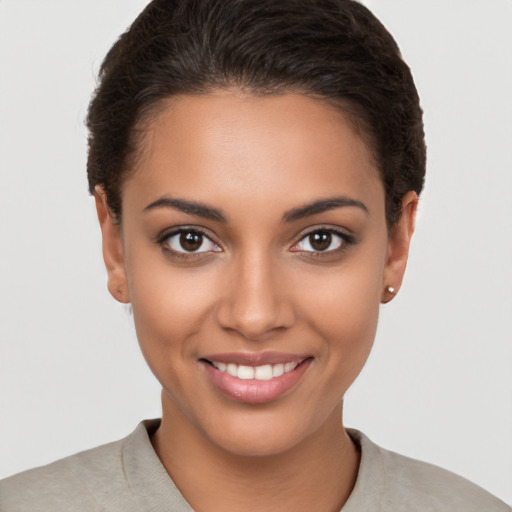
[254, 250]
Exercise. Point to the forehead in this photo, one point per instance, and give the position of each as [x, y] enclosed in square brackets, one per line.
[235, 147]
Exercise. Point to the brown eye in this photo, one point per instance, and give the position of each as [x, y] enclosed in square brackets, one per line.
[321, 240]
[190, 241]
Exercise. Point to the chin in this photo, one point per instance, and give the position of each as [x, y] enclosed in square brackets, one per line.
[256, 441]
[261, 431]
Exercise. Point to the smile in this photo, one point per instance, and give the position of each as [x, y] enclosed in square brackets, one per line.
[264, 372]
[250, 381]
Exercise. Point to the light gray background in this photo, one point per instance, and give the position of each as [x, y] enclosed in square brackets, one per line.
[438, 385]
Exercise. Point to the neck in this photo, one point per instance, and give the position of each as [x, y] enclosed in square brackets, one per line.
[318, 474]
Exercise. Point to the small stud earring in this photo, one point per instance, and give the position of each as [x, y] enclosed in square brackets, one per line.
[390, 290]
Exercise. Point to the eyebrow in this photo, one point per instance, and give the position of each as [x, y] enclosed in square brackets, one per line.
[209, 212]
[322, 205]
[191, 207]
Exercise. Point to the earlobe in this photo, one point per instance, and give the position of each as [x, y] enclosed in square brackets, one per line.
[112, 244]
[398, 247]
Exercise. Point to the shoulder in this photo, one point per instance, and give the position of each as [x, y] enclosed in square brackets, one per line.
[87, 481]
[406, 484]
[437, 488]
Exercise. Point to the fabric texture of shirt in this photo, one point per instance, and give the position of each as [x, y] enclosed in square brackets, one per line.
[127, 476]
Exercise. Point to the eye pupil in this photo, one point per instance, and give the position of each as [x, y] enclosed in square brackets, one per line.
[321, 240]
[191, 241]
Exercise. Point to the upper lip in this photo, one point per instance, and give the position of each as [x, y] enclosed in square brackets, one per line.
[255, 358]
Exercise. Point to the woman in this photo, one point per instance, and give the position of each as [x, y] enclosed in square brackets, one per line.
[256, 168]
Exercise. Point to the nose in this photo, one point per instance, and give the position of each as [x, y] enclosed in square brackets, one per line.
[255, 302]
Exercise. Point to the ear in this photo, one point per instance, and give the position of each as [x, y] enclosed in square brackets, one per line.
[113, 253]
[398, 247]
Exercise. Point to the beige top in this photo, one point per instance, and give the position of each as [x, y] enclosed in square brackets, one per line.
[127, 476]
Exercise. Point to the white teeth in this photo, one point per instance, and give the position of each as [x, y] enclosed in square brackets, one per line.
[277, 370]
[245, 372]
[264, 372]
[288, 367]
[232, 369]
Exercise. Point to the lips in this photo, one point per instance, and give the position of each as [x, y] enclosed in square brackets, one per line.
[255, 378]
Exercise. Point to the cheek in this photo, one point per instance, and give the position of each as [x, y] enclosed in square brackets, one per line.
[348, 332]
[347, 316]
[346, 297]
[168, 309]
[169, 305]
[343, 308]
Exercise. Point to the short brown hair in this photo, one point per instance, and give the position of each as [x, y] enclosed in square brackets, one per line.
[333, 49]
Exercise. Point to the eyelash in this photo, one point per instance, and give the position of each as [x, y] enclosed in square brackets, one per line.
[346, 241]
[162, 241]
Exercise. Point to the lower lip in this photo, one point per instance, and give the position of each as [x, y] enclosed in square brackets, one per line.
[253, 391]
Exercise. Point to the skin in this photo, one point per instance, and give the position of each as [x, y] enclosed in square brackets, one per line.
[259, 286]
